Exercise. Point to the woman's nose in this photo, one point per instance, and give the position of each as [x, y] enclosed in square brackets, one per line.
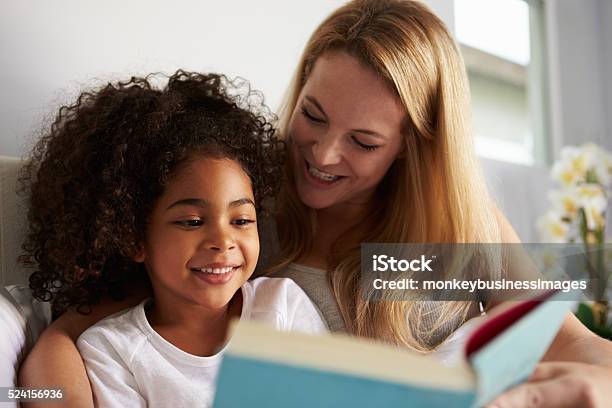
[326, 151]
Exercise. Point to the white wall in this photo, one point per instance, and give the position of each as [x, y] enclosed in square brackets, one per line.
[579, 34]
[50, 49]
[445, 10]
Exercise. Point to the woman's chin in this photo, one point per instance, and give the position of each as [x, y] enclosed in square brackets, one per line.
[315, 201]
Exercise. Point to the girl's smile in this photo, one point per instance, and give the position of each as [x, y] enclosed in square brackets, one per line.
[217, 273]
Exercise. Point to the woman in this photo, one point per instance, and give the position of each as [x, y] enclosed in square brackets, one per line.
[380, 151]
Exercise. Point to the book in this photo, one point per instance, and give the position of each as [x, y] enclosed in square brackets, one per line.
[267, 368]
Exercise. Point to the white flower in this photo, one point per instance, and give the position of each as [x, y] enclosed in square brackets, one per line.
[565, 202]
[600, 163]
[573, 166]
[585, 173]
[593, 199]
[565, 175]
[576, 163]
[552, 229]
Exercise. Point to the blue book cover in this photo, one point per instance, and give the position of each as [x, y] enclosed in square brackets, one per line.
[267, 368]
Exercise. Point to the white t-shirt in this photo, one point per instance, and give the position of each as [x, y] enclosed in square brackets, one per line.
[130, 365]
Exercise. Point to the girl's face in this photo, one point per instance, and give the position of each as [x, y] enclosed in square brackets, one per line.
[346, 132]
[201, 241]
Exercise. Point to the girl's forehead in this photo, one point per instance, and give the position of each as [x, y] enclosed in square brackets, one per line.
[199, 163]
[211, 175]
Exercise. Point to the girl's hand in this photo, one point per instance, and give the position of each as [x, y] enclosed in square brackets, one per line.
[561, 384]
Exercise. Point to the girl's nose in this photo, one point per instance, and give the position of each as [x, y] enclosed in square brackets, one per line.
[220, 239]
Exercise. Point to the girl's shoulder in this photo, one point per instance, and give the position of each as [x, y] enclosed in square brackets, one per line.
[117, 329]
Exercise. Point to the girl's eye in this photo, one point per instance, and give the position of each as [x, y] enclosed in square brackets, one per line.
[363, 145]
[243, 222]
[193, 223]
[310, 117]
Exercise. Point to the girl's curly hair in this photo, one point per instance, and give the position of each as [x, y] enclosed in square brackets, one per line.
[93, 178]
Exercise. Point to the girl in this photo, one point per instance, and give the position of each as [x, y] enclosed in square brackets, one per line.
[136, 183]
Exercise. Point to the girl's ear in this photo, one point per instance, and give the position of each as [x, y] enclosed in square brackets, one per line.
[140, 255]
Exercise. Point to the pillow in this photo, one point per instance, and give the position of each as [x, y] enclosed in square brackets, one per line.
[22, 319]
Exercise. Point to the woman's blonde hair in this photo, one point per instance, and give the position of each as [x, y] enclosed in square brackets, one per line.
[435, 192]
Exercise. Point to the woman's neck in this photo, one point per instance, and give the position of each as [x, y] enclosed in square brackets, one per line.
[192, 328]
[335, 223]
[344, 216]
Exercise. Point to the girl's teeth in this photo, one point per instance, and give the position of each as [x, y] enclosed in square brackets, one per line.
[216, 271]
[321, 174]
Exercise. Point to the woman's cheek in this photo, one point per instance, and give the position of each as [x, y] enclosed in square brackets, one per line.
[371, 169]
[300, 131]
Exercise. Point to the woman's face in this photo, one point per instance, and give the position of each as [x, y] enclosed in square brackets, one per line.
[346, 132]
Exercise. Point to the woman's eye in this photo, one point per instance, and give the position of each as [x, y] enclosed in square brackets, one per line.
[193, 223]
[310, 117]
[241, 222]
[363, 145]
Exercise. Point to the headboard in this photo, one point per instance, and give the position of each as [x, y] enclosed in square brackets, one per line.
[12, 223]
